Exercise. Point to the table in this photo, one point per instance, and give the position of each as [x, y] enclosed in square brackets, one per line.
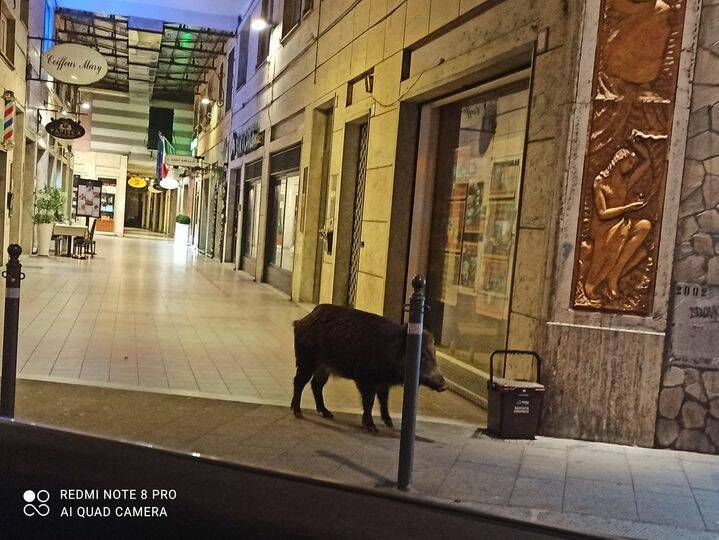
[69, 231]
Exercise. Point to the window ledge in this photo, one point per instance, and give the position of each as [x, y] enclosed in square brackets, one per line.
[291, 32]
[7, 60]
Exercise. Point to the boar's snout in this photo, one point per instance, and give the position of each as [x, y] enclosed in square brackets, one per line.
[436, 381]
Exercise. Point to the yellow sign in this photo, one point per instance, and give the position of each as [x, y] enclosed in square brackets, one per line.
[137, 182]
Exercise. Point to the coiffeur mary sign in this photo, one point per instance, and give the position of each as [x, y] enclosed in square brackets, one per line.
[74, 64]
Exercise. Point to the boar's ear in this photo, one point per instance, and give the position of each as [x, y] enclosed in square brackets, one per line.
[428, 338]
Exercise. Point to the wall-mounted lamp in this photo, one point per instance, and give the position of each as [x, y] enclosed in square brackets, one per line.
[259, 24]
[85, 105]
[205, 101]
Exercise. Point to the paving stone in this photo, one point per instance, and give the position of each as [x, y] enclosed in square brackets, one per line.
[702, 475]
[464, 478]
[538, 493]
[708, 502]
[670, 401]
[711, 383]
[667, 432]
[675, 510]
[673, 376]
[600, 498]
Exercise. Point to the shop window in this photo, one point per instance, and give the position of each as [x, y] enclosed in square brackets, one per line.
[242, 51]
[284, 216]
[251, 219]
[263, 39]
[7, 34]
[230, 75]
[474, 221]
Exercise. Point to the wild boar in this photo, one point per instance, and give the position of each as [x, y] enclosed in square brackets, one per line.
[361, 346]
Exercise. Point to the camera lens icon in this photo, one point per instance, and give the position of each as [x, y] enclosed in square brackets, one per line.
[42, 496]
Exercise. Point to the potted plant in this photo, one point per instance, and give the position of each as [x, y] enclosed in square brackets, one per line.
[49, 204]
[182, 228]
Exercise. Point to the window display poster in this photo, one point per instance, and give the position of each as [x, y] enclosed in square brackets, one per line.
[89, 194]
[505, 178]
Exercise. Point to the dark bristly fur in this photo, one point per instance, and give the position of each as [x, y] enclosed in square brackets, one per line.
[364, 347]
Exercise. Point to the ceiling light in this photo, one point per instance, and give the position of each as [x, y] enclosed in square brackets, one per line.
[258, 25]
[205, 101]
[85, 105]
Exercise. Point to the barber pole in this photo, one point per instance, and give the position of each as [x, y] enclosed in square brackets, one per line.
[8, 119]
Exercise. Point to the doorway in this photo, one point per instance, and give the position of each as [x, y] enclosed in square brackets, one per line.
[251, 217]
[232, 247]
[326, 207]
[348, 246]
[466, 214]
[284, 191]
[133, 207]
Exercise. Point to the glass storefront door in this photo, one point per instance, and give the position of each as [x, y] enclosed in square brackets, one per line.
[281, 230]
[474, 221]
[250, 226]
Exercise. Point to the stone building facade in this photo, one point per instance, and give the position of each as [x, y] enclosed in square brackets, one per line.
[359, 133]
[689, 398]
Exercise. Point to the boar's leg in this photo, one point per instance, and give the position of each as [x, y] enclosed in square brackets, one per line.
[302, 377]
[383, 396]
[319, 379]
[368, 392]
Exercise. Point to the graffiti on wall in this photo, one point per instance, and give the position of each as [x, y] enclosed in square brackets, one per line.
[625, 169]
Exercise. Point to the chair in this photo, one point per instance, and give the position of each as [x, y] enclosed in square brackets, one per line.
[90, 240]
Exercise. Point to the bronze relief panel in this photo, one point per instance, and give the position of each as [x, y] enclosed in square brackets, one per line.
[625, 170]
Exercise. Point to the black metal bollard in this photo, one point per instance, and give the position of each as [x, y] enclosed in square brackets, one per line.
[13, 276]
[411, 383]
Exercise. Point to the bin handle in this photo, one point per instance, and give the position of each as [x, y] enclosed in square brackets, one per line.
[506, 352]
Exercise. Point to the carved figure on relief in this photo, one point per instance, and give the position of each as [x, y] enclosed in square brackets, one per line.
[617, 235]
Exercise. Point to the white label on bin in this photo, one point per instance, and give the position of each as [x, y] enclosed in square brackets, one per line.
[521, 406]
[414, 329]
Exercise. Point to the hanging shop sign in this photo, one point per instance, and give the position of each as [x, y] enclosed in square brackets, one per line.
[246, 141]
[177, 160]
[137, 182]
[74, 64]
[65, 128]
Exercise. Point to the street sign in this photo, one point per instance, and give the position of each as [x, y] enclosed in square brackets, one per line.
[177, 160]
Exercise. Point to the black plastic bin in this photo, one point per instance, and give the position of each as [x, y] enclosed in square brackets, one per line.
[514, 407]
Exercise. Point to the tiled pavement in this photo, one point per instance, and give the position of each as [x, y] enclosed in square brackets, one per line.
[145, 313]
[602, 488]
